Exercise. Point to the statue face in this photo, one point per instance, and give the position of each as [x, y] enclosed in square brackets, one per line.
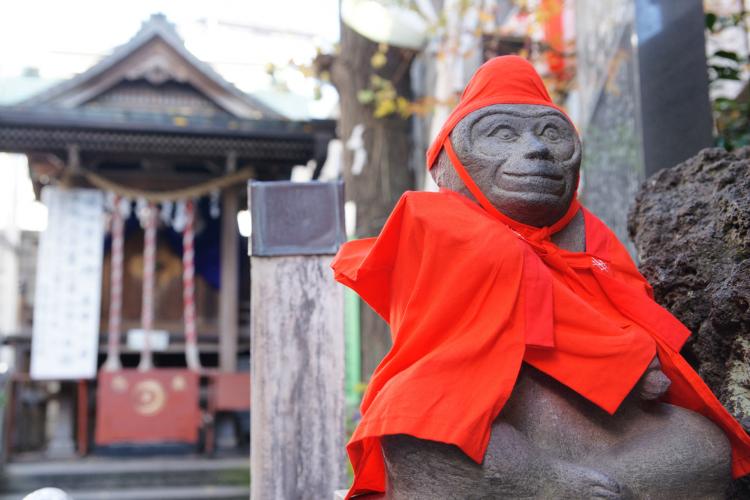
[524, 158]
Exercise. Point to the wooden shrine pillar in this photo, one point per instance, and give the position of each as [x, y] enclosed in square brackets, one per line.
[297, 338]
[229, 291]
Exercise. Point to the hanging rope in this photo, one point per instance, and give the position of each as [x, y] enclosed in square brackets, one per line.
[115, 289]
[191, 192]
[192, 357]
[149, 267]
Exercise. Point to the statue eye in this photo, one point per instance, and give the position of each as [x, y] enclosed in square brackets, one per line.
[550, 132]
[504, 133]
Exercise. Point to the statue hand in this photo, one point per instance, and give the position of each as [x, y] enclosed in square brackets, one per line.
[654, 382]
[577, 481]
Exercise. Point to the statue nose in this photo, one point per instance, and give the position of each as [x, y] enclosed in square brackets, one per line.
[536, 148]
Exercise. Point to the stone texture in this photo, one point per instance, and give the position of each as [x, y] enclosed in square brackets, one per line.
[549, 442]
[297, 335]
[691, 228]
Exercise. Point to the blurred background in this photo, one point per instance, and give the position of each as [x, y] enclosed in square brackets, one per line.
[129, 131]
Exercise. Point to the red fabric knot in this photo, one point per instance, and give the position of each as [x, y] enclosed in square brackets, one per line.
[540, 236]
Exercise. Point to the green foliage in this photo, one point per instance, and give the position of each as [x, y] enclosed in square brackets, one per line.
[732, 123]
[716, 23]
[731, 116]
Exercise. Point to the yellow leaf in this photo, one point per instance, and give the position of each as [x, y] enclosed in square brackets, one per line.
[378, 60]
[384, 108]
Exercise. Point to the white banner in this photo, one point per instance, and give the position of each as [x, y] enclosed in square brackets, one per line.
[9, 286]
[13, 172]
[67, 304]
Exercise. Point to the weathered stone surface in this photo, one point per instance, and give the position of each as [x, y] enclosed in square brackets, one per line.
[549, 442]
[691, 228]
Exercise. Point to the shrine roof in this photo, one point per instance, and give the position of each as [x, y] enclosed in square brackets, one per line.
[150, 81]
[116, 120]
[155, 60]
[150, 95]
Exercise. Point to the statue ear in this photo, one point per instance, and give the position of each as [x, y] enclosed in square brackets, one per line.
[575, 159]
[445, 175]
[438, 168]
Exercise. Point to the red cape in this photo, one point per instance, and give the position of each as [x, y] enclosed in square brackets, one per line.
[468, 299]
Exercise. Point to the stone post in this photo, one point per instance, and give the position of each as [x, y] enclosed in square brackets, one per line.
[637, 114]
[60, 409]
[297, 339]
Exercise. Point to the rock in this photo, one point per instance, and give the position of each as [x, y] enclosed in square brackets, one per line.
[691, 229]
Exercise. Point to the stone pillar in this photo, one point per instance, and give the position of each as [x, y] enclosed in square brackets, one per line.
[675, 107]
[638, 114]
[297, 335]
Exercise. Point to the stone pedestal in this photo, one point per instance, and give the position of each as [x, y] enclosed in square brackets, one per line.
[226, 431]
[60, 415]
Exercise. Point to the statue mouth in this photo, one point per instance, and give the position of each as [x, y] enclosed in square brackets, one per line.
[543, 175]
[537, 180]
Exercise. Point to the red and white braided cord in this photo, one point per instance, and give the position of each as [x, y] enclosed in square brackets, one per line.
[115, 286]
[188, 277]
[149, 267]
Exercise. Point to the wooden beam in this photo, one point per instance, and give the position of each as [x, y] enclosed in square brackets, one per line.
[297, 338]
[297, 442]
[82, 419]
[229, 292]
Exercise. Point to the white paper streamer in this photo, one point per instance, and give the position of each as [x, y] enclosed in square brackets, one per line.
[215, 208]
[179, 219]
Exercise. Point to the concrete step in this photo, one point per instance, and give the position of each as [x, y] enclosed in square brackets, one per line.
[136, 476]
[169, 493]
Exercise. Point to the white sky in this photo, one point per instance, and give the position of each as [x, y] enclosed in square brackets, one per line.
[63, 37]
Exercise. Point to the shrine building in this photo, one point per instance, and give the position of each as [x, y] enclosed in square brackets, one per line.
[136, 330]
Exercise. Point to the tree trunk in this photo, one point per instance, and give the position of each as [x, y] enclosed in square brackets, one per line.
[386, 173]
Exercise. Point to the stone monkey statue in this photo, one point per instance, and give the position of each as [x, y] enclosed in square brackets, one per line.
[548, 441]
[529, 358]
